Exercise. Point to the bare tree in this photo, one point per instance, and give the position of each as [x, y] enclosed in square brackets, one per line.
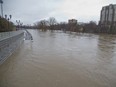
[52, 22]
[63, 26]
[90, 27]
[42, 25]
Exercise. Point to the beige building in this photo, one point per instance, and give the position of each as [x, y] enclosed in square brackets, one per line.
[72, 24]
[72, 21]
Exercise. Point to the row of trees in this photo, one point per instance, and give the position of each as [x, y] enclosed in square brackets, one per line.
[6, 25]
[52, 24]
[46, 24]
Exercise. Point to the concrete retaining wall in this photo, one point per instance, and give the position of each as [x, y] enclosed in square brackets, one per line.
[9, 42]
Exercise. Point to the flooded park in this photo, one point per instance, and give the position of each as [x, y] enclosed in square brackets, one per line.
[58, 59]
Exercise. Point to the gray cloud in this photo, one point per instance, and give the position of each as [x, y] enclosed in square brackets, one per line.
[30, 11]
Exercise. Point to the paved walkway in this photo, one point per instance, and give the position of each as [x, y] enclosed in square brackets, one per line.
[27, 35]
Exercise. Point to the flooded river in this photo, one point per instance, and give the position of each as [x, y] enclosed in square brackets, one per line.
[57, 59]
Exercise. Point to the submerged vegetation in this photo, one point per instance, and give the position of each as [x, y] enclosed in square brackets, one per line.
[52, 24]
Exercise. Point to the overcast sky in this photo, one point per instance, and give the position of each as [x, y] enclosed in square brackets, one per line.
[31, 11]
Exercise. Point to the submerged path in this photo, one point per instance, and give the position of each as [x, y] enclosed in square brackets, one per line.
[57, 59]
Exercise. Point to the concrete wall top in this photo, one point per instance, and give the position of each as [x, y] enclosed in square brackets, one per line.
[5, 35]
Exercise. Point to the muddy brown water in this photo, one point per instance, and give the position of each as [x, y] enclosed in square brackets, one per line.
[57, 59]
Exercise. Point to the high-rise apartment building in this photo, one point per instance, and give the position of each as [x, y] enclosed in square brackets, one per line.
[108, 19]
[108, 15]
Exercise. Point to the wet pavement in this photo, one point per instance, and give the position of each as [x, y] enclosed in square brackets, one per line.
[57, 59]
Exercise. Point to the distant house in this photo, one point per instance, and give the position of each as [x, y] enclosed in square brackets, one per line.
[108, 18]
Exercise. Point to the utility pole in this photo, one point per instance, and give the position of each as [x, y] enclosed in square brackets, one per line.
[1, 2]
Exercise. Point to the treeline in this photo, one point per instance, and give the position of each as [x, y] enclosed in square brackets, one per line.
[52, 24]
[6, 25]
[44, 25]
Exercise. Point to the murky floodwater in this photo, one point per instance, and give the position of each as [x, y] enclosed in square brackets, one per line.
[56, 59]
